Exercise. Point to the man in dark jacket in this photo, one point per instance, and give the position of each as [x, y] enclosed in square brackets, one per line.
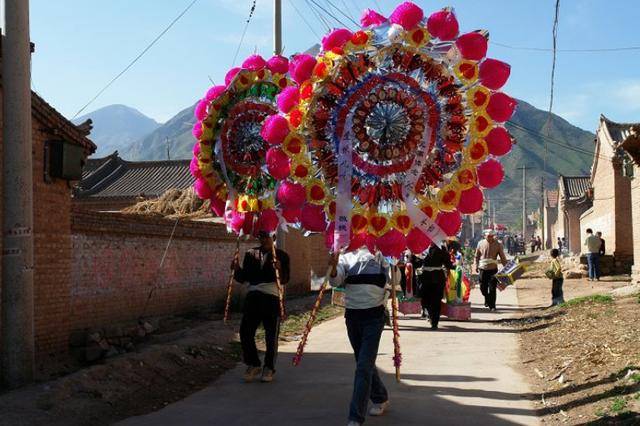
[432, 275]
[261, 306]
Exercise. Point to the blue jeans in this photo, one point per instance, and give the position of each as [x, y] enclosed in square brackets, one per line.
[364, 335]
[593, 260]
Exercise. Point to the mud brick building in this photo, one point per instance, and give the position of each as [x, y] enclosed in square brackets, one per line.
[610, 194]
[112, 183]
[52, 224]
[550, 217]
[631, 168]
[572, 203]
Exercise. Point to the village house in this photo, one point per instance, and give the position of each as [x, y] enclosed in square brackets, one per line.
[53, 138]
[631, 167]
[112, 183]
[550, 217]
[572, 203]
[610, 195]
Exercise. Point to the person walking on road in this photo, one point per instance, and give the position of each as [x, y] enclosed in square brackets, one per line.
[603, 249]
[432, 273]
[593, 244]
[261, 306]
[364, 277]
[487, 255]
[557, 278]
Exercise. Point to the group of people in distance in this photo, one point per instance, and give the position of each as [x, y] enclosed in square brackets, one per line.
[366, 278]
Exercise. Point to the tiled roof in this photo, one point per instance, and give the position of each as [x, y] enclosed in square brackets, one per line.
[551, 198]
[113, 177]
[575, 187]
[618, 131]
[632, 144]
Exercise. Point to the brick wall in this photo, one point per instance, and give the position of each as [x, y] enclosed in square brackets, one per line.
[116, 260]
[635, 211]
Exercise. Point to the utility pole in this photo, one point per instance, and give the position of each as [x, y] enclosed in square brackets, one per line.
[17, 343]
[277, 50]
[524, 201]
[167, 145]
[543, 230]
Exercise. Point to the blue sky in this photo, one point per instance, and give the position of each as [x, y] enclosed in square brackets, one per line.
[82, 44]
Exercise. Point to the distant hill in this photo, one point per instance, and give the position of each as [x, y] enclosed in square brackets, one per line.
[175, 133]
[529, 150]
[116, 127]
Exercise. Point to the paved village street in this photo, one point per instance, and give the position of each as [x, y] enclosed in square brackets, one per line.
[462, 374]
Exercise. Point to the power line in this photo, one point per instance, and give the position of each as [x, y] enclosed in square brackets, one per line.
[543, 49]
[140, 55]
[304, 19]
[343, 12]
[329, 13]
[318, 15]
[244, 32]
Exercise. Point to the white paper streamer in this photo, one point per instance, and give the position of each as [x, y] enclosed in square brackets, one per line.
[341, 234]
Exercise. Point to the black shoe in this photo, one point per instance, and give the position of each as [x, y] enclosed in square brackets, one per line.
[486, 305]
[434, 326]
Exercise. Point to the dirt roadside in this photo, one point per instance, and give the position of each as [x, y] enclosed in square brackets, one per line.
[171, 364]
[582, 359]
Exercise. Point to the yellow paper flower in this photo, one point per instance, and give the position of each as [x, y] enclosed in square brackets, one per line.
[448, 198]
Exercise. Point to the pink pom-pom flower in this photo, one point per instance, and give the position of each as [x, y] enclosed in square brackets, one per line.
[217, 206]
[371, 18]
[392, 243]
[490, 174]
[288, 99]
[499, 141]
[197, 130]
[501, 107]
[494, 73]
[313, 218]
[196, 149]
[443, 25]
[301, 67]
[292, 215]
[202, 189]
[417, 241]
[275, 129]
[278, 64]
[336, 39]
[200, 110]
[254, 63]
[228, 78]
[450, 222]
[471, 200]
[291, 195]
[268, 221]
[214, 92]
[407, 14]
[278, 164]
[194, 168]
[472, 46]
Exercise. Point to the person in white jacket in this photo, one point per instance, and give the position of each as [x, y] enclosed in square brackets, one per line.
[365, 278]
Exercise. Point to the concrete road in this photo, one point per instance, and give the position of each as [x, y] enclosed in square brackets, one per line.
[462, 374]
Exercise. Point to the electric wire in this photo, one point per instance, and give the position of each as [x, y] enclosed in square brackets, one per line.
[318, 15]
[592, 50]
[304, 19]
[343, 13]
[329, 13]
[140, 55]
[244, 32]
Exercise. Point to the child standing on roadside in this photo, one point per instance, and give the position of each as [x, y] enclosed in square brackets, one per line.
[557, 278]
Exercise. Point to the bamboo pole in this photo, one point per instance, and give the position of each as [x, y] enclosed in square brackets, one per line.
[227, 306]
[311, 321]
[397, 356]
[278, 282]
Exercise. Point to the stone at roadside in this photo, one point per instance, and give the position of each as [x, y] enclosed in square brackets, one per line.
[573, 275]
[629, 290]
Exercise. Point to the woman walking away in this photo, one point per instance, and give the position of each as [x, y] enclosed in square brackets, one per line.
[364, 277]
[432, 274]
[557, 278]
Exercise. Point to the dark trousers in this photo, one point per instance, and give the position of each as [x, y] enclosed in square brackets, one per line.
[432, 292]
[488, 286]
[557, 295]
[364, 336]
[593, 260]
[260, 308]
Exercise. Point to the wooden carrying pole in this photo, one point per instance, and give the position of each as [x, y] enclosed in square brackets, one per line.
[311, 321]
[397, 356]
[278, 282]
[227, 306]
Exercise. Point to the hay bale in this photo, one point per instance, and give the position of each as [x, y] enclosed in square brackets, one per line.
[174, 203]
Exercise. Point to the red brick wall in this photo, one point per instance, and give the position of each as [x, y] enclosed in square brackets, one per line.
[116, 259]
[52, 249]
